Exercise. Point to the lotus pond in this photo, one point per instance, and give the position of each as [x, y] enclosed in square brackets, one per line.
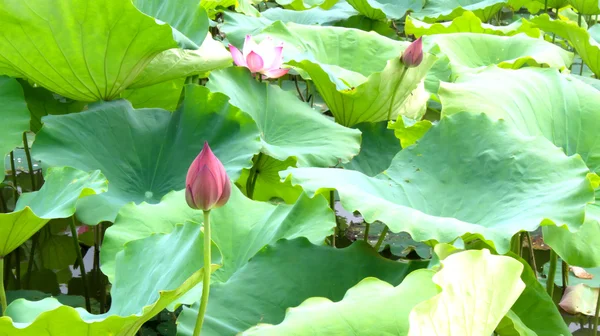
[299, 167]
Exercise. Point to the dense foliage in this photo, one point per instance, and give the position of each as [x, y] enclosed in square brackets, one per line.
[396, 167]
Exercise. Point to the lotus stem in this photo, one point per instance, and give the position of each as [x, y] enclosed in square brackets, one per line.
[29, 162]
[565, 274]
[206, 280]
[86, 290]
[336, 229]
[298, 89]
[14, 176]
[597, 315]
[96, 266]
[515, 244]
[3, 303]
[252, 176]
[404, 71]
[531, 254]
[34, 242]
[551, 273]
[367, 228]
[381, 238]
[545, 6]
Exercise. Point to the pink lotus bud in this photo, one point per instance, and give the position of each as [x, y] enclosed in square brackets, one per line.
[265, 58]
[207, 185]
[413, 55]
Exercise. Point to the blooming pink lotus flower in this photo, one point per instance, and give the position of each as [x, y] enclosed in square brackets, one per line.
[264, 58]
[413, 55]
[207, 185]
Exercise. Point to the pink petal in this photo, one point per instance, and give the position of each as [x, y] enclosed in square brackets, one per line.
[225, 194]
[275, 73]
[254, 61]
[237, 56]
[249, 45]
[277, 58]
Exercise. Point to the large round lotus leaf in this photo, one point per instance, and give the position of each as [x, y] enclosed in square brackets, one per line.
[378, 148]
[177, 63]
[382, 9]
[288, 127]
[56, 199]
[468, 23]
[578, 37]
[187, 18]
[472, 281]
[146, 153]
[285, 274]
[14, 115]
[268, 186]
[355, 91]
[240, 228]
[475, 51]
[71, 50]
[536, 102]
[408, 131]
[585, 7]
[140, 290]
[468, 174]
[581, 248]
[237, 26]
[301, 5]
[443, 10]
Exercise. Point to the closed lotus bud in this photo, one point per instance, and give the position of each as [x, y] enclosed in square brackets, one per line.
[413, 55]
[207, 185]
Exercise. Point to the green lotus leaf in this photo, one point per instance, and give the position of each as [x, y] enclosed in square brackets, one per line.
[594, 32]
[501, 183]
[585, 7]
[71, 50]
[468, 23]
[381, 27]
[444, 10]
[188, 19]
[42, 102]
[139, 291]
[178, 63]
[581, 248]
[408, 131]
[355, 91]
[592, 278]
[472, 281]
[536, 102]
[268, 186]
[267, 278]
[300, 5]
[468, 51]
[535, 6]
[288, 127]
[57, 252]
[378, 148]
[164, 95]
[382, 9]
[64, 186]
[151, 148]
[241, 227]
[579, 38]
[14, 115]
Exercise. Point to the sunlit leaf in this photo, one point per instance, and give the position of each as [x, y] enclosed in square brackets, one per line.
[14, 116]
[382, 9]
[442, 10]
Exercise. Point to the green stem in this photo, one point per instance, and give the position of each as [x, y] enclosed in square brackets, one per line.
[367, 228]
[29, 162]
[551, 273]
[86, 290]
[579, 19]
[545, 6]
[336, 229]
[96, 266]
[298, 89]
[252, 176]
[2, 292]
[596, 315]
[404, 71]
[565, 275]
[18, 266]
[14, 176]
[206, 280]
[531, 254]
[381, 238]
[34, 242]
